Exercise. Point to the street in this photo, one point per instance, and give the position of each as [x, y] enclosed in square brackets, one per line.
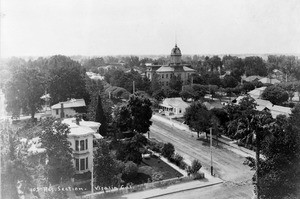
[228, 166]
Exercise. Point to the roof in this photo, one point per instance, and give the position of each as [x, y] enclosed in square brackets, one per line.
[176, 102]
[268, 80]
[175, 51]
[256, 93]
[274, 109]
[280, 110]
[84, 127]
[252, 78]
[70, 104]
[167, 68]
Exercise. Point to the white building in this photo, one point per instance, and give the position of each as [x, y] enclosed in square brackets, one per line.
[82, 135]
[71, 108]
[174, 106]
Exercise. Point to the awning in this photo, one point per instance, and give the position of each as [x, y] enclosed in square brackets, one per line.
[167, 106]
[98, 136]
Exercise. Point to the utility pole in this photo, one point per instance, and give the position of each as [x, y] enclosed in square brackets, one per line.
[92, 173]
[133, 87]
[211, 162]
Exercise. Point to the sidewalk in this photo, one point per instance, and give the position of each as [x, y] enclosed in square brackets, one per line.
[196, 184]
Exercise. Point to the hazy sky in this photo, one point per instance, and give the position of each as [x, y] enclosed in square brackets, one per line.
[104, 27]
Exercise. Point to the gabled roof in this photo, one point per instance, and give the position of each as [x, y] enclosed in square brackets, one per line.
[70, 104]
[268, 80]
[176, 102]
[252, 78]
[256, 93]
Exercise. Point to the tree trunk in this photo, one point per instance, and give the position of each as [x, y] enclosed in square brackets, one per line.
[257, 167]
[32, 112]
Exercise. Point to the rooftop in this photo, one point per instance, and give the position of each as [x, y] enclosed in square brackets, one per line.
[70, 104]
[174, 102]
[84, 127]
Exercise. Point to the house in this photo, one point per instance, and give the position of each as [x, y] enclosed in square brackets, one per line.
[256, 93]
[267, 80]
[174, 68]
[265, 104]
[82, 135]
[70, 108]
[174, 106]
[251, 78]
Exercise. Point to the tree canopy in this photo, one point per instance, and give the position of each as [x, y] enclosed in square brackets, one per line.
[54, 139]
[25, 88]
[197, 117]
[275, 94]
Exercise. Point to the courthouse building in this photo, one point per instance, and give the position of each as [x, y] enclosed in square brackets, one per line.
[175, 67]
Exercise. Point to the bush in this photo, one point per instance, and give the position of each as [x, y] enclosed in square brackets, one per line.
[156, 146]
[157, 176]
[198, 176]
[196, 166]
[168, 150]
[182, 165]
[131, 170]
[176, 158]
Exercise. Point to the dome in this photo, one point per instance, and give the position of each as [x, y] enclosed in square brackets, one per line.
[175, 51]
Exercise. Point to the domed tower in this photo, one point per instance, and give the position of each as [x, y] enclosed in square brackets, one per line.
[175, 56]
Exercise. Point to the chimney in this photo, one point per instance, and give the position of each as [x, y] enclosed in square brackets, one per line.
[78, 119]
[62, 114]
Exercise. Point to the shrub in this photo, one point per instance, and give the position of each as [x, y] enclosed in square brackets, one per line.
[156, 146]
[131, 170]
[198, 176]
[196, 166]
[168, 150]
[176, 158]
[182, 165]
[157, 176]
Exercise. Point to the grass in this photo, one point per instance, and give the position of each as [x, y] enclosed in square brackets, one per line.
[160, 166]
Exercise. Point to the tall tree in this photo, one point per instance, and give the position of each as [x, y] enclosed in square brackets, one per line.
[66, 79]
[100, 117]
[25, 88]
[280, 171]
[15, 168]
[141, 113]
[106, 167]
[197, 117]
[54, 139]
[255, 66]
[275, 94]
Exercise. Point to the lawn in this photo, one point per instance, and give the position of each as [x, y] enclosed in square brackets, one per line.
[147, 168]
[160, 166]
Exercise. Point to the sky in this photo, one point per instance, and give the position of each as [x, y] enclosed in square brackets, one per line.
[148, 27]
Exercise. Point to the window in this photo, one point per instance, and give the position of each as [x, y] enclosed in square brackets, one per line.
[167, 83]
[180, 110]
[86, 163]
[162, 76]
[82, 164]
[56, 111]
[86, 144]
[81, 145]
[77, 164]
[171, 75]
[167, 75]
[76, 145]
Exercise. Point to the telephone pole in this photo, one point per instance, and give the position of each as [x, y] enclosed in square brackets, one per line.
[211, 161]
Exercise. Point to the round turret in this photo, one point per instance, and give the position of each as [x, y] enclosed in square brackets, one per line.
[175, 55]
